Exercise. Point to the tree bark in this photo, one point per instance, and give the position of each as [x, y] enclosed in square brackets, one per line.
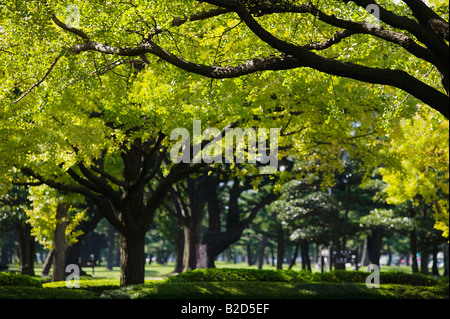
[364, 256]
[250, 259]
[47, 263]
[295, 255]
[218, 242]
[424, 254]
[262, 247]
[374, 245]
[306, 262]
[27, 248]
[110, 254]
[413, 249]
[59, 242]
[335, 233]
[179, 249]
[435, 269]
[280, 247]
[191, 239]
[132, 258]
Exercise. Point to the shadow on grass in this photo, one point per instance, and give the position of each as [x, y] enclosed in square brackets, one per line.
[271, 290]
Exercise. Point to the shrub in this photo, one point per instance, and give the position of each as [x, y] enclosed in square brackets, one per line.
[264, 275]
[398, 277]
[13, 279]
[95, 285]
[44, 293]
[225, 274]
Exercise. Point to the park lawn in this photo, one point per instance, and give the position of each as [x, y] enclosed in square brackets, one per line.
[105, 285]
[272, 290]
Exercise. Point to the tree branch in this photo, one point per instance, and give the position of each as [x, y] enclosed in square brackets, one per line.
[428, 17]
[38, 82]
[396, 78]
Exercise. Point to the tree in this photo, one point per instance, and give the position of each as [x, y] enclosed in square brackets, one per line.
[12, 211]
[282, 35]
[421, 171]
[233, 204]
[170, 229]
[189, 200]
[53, 220]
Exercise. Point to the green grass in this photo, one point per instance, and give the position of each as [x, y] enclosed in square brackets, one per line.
[271, 290]
[157, 271]
[109, 289]
[248, 284]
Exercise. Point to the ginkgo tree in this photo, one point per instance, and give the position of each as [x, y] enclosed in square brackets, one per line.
[420, 172]
[402, 44]
[54, 218]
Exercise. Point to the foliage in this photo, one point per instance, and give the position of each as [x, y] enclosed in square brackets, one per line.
[261, 284]
[387, 218]
[261, 275]
[272, 290]
[137, 97]
[94, 285]
[421, 174]
[42, 215]
[13, 279]
[232, 290]
[226, 274]
[44, 293]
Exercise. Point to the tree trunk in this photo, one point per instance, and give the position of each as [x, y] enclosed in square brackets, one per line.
[191, 237]
[218, 242]
[280, 247]
[374, 246]
[424, 256]
[364, 256]
[132, 258]
[435, 269]
[306, 263]
[261, 251]
[413, 249]
[47, 263]
[73, 255]
[250, 259]
[27, 248]
[334, 225]
[179, 249]
[294, 257]
[59, 242]
[446, 260]
[389, 255]
[110, 254]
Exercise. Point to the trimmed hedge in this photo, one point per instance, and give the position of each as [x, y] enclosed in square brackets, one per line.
[13, 279]
[228, 274]
[261, 275]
